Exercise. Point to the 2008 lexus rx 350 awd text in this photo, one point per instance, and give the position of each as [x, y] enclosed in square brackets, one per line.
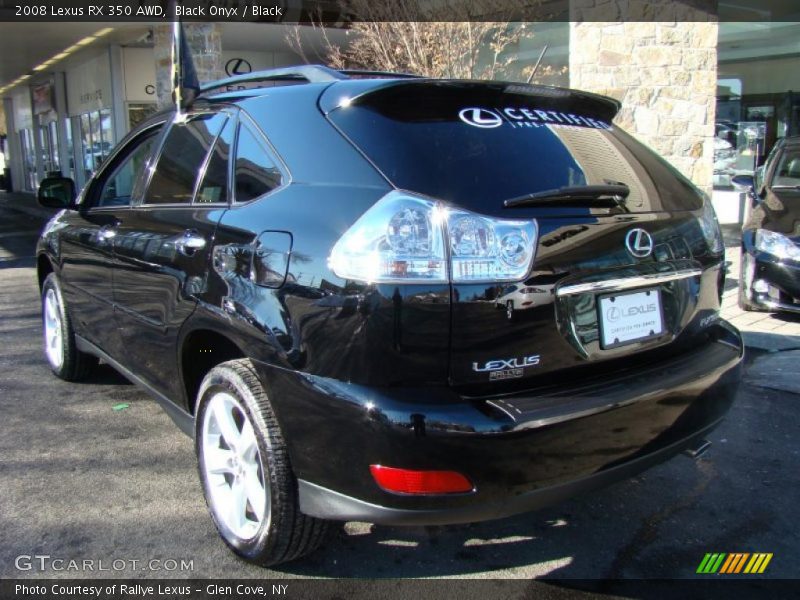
[306, 278]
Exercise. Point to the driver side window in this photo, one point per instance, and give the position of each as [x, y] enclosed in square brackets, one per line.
[117, 188]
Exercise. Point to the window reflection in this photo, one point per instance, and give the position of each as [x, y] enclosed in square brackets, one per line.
[181, 159]
[255, 174]
[214, 187]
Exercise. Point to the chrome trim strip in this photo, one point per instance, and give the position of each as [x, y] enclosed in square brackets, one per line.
[627, 283]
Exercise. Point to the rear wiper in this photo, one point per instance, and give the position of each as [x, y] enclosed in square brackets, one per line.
[616, 193]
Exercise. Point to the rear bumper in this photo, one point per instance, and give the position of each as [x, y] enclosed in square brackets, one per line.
[521, 452]
[325, 503]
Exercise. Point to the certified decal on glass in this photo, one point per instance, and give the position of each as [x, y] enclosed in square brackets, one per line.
[519, 117]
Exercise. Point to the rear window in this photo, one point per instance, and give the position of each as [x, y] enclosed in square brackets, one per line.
[478, 145]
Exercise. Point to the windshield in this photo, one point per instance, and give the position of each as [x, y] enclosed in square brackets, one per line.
[478, 148]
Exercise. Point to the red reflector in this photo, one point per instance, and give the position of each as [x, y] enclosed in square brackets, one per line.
[420, 482]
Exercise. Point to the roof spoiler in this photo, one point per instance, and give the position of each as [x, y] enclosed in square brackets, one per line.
[356, 91]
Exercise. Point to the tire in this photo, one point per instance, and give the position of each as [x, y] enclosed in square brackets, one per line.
[65, 360]
[510, 310]
[267, 527]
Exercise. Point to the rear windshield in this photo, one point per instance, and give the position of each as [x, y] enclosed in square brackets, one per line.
[478, 145]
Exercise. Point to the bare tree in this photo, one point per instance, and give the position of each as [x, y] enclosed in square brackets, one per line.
[399, 36]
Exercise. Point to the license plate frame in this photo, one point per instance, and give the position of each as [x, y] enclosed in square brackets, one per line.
[637, 322]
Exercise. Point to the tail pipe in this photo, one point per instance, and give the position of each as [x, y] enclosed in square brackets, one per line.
[697, 449]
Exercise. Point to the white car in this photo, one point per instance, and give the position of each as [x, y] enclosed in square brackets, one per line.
[520, 296]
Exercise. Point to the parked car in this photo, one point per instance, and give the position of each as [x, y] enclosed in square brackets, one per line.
[769, 279]
[304, 277]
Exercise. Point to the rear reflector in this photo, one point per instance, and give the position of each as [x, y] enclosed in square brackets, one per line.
[403, 481]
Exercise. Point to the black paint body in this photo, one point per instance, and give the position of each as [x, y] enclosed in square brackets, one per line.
[364, 374]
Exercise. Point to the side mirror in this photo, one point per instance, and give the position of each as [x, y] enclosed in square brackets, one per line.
[743, 182]
[57, 192]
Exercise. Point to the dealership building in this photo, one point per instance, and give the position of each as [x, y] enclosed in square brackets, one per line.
[711, 97]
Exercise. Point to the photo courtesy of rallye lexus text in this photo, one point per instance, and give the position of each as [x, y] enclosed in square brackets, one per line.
[305, 277]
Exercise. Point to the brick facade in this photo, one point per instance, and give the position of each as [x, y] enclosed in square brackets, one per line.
[665, 75]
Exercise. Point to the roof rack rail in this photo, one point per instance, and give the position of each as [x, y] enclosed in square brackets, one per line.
[311, 73]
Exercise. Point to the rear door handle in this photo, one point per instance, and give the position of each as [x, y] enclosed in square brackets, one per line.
[190, 242]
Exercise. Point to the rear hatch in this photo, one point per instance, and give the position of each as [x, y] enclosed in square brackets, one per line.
[616, 281]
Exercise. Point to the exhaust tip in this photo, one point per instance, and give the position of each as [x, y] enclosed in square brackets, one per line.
[697, 450]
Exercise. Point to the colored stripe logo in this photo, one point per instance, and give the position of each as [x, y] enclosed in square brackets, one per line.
[733, 563]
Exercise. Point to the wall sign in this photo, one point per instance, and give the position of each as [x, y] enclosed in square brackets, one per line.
[42, 98]
[140, 74]
[238, 66]
[89, 86]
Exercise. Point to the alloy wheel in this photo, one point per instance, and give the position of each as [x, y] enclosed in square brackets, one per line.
[238, 486]
[53, 332]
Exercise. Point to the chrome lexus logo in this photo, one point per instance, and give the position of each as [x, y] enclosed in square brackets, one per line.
[639, 243]
[480, 117]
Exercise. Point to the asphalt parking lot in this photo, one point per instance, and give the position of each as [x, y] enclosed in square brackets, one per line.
[81, 480]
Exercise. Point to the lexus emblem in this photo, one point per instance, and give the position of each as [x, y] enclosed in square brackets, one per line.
[639, 243]
[238, 66]
[480, 117]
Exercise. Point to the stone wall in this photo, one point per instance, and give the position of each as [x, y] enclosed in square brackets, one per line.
[205, 42]
[665, 75]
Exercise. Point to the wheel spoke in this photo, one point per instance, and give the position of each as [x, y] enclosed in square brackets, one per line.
[255, 491]
[227, 426]
[237, 506]
[218, 460]
[49, 312]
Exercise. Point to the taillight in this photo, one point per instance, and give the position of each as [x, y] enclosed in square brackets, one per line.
[405, 238]
[487, 249]
[399, 239]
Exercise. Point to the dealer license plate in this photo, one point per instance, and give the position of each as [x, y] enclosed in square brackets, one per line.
[628, 318]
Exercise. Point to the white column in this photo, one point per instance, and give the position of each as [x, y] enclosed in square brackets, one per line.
[119, 107]
[64, 149]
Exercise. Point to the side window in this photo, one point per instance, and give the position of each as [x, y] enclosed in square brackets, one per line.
[182, 156]
[255, 173]
[117, 189]
[214, 187]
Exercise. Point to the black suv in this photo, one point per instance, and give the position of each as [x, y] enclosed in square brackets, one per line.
[306, 277]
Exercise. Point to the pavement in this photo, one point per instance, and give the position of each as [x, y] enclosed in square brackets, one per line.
[80, 480]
